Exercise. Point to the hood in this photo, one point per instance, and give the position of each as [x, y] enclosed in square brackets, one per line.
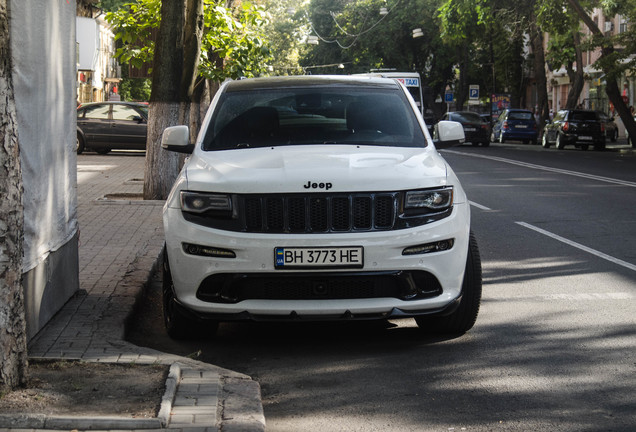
[315, 168]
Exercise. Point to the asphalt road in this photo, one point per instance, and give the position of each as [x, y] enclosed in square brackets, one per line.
[554, 347]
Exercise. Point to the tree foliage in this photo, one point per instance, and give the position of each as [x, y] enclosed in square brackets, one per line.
[235, 36]
[357, 36]
[285, 32]
[491, 36]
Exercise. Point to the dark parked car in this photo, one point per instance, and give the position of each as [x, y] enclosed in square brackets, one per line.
[516, 125]
[103, 126]
[611, 130]
[581, 128]
[477, 130]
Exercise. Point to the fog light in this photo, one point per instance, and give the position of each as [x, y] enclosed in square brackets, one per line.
[439, 246]
[207, 251]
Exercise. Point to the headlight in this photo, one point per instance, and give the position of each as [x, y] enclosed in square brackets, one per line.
[197, 202]
[430, 199]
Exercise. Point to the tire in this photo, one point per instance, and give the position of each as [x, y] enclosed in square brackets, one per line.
[559, 144]
[80, 145]
[485, 143]
[102, 151]
[464, 317]
[599, 147]
[584, 147]
[178, 326]
[544, 141]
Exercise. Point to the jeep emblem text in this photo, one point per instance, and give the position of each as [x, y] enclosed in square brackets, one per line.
[310, 185]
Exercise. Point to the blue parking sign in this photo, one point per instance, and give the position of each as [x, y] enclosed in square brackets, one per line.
[448, 97]
[473, 91]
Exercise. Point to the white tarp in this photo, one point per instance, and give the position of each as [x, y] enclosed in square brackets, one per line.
[44, 63]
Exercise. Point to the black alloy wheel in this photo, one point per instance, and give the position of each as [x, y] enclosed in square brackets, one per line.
[544, 140]
[79, 146]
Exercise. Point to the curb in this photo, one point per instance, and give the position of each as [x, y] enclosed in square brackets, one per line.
[43, 421]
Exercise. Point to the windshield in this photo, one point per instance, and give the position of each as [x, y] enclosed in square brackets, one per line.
[316, 115]
[465, 117]
[520, 115]
[583, 116]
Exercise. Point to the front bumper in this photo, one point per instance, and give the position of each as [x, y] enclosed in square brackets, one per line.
[254, 254]
[519, 134]
[394, 313]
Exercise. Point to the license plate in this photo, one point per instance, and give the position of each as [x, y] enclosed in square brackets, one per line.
[585, 138]
[521, 126]
[341, 257]
[468, 129]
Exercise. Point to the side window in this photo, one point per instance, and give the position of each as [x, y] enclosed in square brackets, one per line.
[122, 112]
[99, 112]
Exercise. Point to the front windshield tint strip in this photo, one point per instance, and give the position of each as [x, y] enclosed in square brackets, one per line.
[317, 115]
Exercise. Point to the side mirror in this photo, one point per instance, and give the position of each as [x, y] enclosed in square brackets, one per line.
[138, 119]
[177, 139]
[448, 134]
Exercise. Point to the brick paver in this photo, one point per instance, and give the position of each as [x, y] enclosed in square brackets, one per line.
[121, 238]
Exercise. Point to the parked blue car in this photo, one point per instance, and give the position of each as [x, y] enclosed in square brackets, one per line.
[515, 125]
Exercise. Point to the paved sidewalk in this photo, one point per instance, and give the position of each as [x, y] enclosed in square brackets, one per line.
[121, 238]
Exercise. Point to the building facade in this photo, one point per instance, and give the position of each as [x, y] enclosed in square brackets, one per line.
[98, 73]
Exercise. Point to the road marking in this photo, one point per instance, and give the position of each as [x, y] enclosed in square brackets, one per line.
[545, 168]
[479, 206]
[569, 297]
[594, 252]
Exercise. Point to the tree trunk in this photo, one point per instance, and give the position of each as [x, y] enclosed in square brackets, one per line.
[611, 87]
[462, 88]
[516, 73]
[576, 76]
[176, 61]
[536, 36]
[13, 350]
[162, 167]
[193, 33]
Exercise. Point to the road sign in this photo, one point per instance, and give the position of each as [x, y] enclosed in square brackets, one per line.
[448, 97]
[473, 91]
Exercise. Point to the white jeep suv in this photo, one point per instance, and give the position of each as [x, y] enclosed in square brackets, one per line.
[317, 198]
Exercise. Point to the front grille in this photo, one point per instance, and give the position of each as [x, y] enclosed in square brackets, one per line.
[403, 285]
[318, 213]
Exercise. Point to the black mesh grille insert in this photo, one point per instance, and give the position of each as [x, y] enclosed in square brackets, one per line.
[233, 288]
[319, 213]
